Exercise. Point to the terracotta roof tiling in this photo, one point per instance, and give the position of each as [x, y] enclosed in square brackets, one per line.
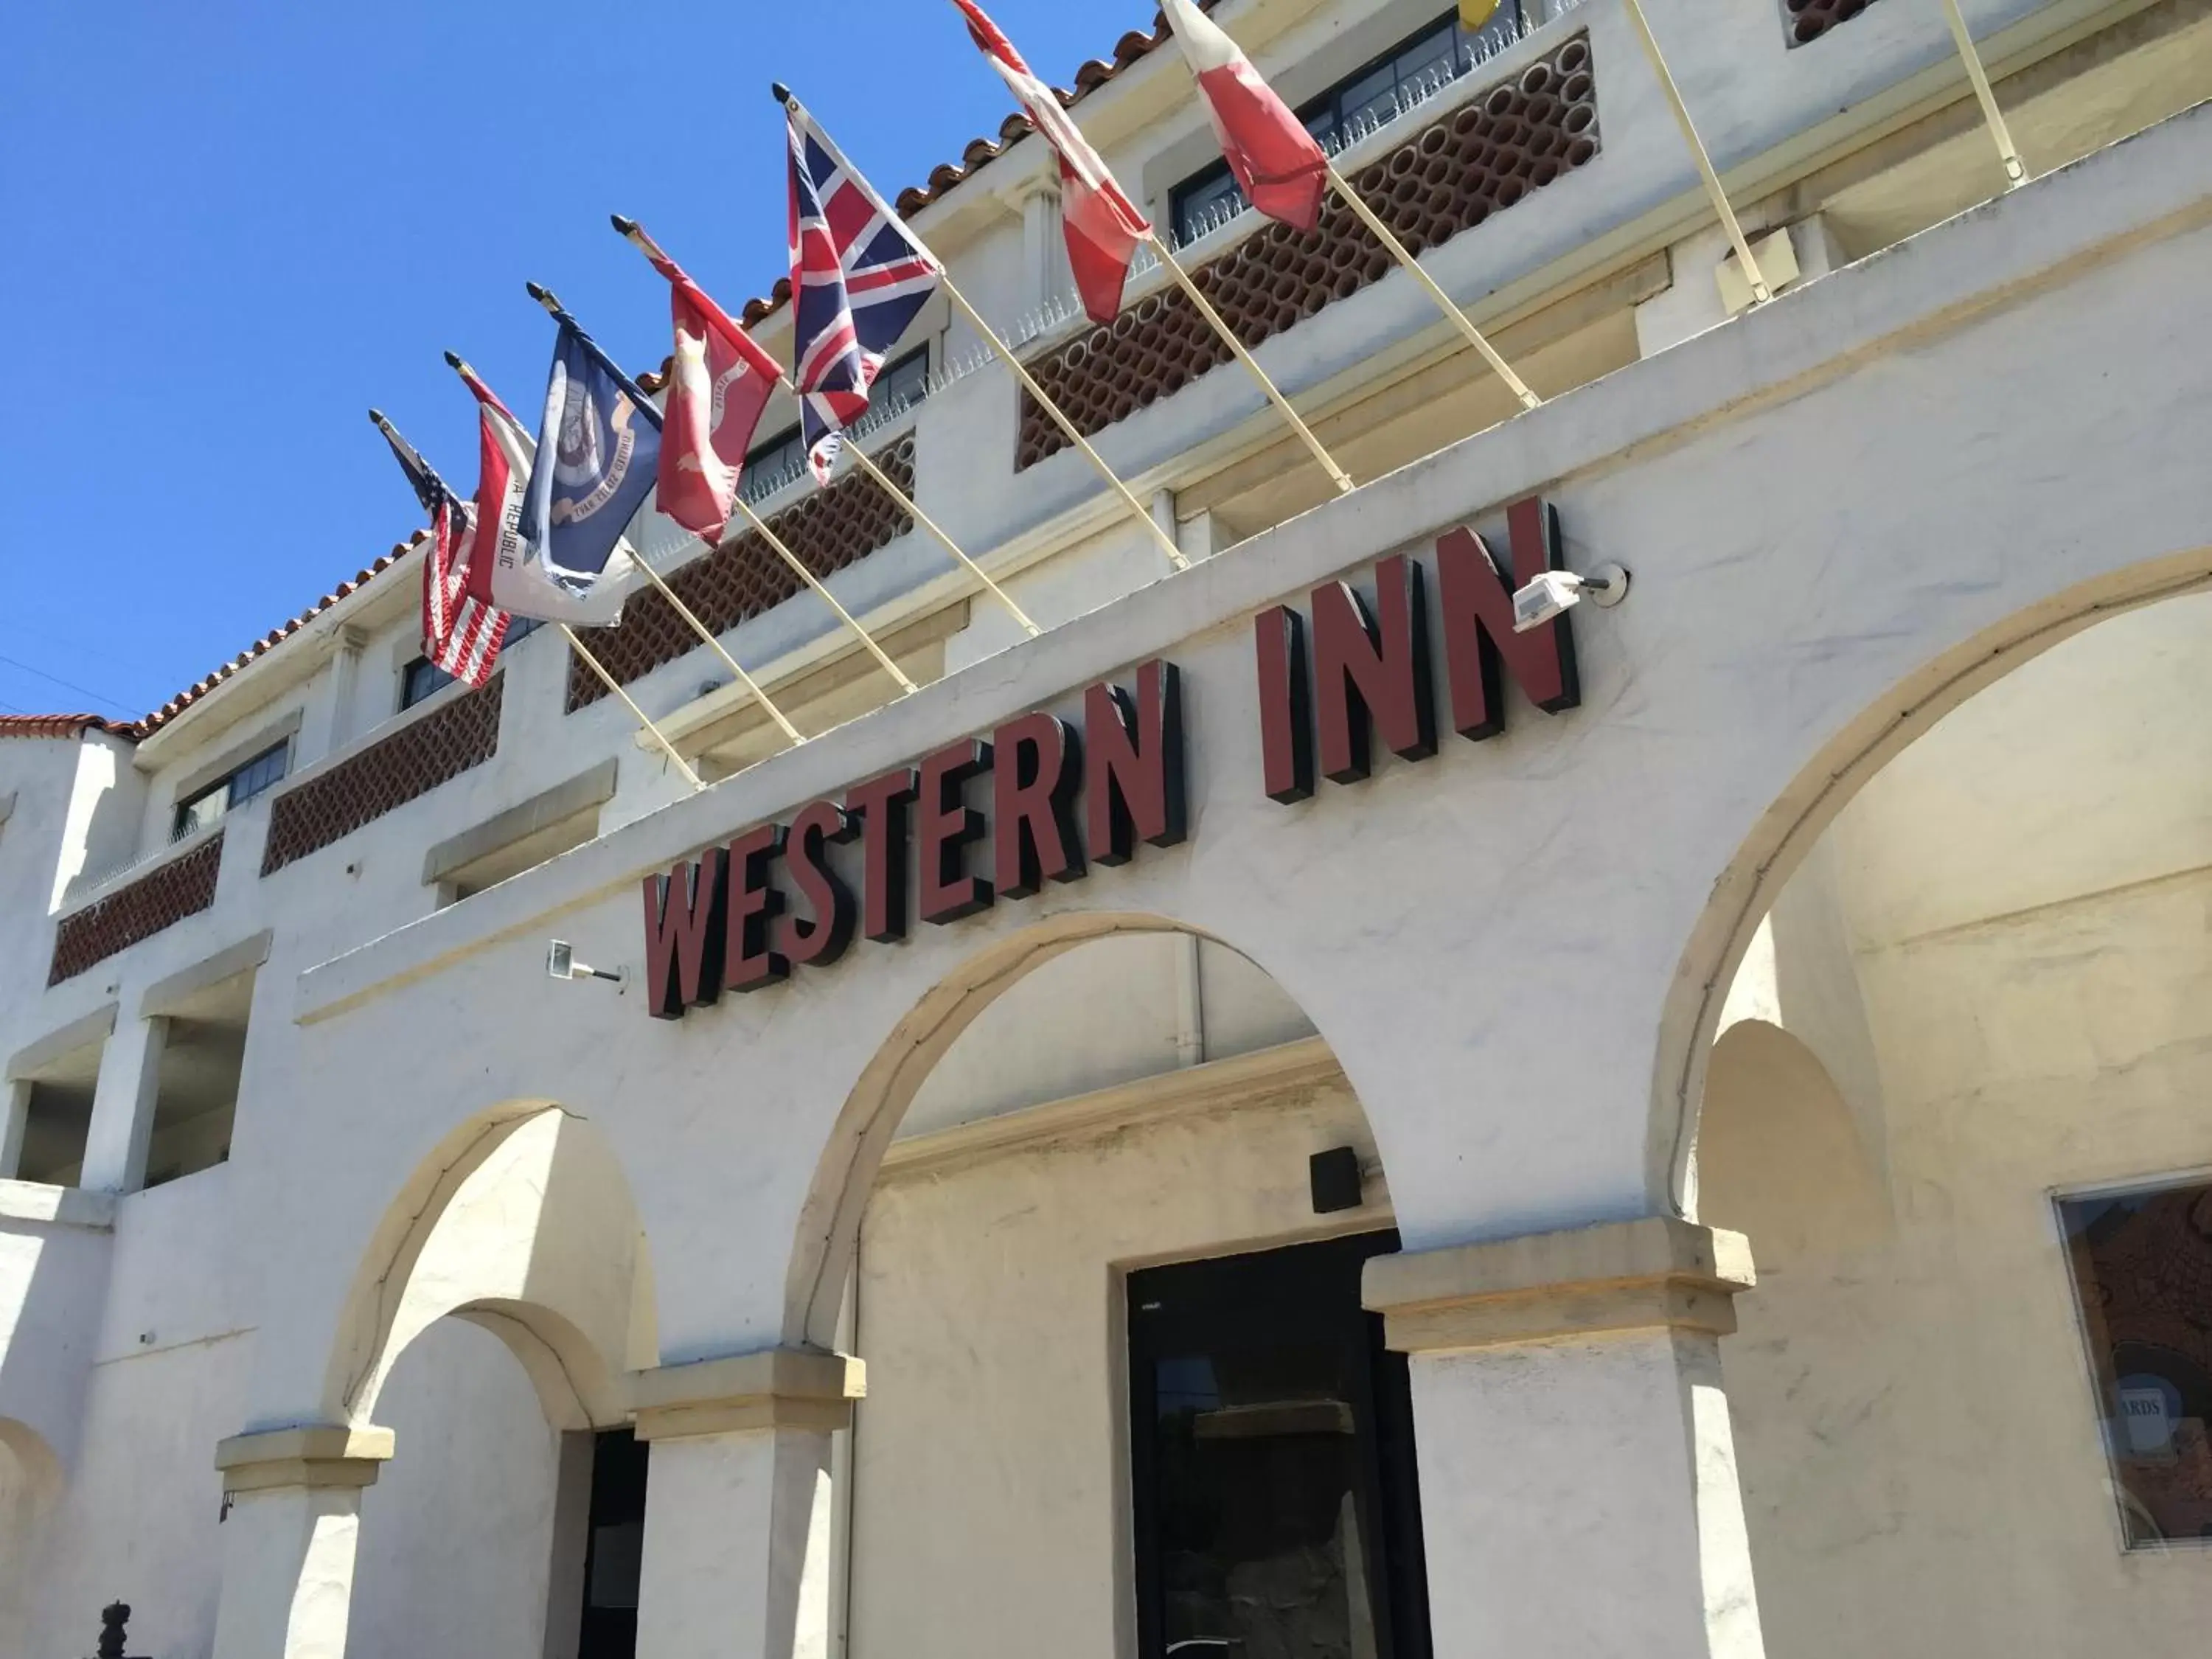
[62, 726]
[72, 726]
[1132, 48]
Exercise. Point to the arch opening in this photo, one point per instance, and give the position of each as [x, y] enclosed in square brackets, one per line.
[1079, 1163]
[1954, 1104]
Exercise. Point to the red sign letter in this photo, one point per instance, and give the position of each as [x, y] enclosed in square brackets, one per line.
[946, 825]
[1367, 679]
[822, 939]
[1477, 606]
[684, 913]
[1285, 716]
[1038, 770]
[880, 804]
[1134, 777]
[753, 905]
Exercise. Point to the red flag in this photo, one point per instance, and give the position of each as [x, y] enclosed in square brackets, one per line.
[1275, 159]
[717, 388]
[1103, 224]
[503, 452]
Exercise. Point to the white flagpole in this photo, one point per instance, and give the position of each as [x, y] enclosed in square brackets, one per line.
[761, 527]
[545, 298]
[1404, 255]
[610, 682]
[1337, 474]
[1142, 515]
[2015, 169]
[1759, 291]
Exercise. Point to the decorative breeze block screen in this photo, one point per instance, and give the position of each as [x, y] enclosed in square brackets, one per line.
[160, 898]
[1480, 159]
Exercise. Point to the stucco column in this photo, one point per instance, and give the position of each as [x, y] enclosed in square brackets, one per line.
[123, 1100]
[294, 1503]
[737, 1512]
[1578, 1482]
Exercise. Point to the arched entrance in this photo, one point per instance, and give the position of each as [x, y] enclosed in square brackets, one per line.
[1958, 1112]
[30, 1482]
[1116, 1354]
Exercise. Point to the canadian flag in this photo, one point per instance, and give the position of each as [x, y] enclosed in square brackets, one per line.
[1103, 225]
[1274, 158]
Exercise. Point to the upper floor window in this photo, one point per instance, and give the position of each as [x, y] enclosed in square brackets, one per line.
[422, 678]
[903, 383]
[232, 791]
[1406, 75]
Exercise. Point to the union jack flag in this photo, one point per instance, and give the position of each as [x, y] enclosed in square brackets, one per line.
[858, 279]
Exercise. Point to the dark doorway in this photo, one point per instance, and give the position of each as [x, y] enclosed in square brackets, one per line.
[1276, 1503]
[615, 1550]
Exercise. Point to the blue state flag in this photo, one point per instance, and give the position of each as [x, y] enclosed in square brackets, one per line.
[599, 449]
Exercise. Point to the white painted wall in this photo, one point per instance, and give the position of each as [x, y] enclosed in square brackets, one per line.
[1916, 1423]
[456, 1534]
[990, 1491]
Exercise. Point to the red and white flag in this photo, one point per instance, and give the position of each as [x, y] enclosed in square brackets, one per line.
[1282, 171]
[1103, 224]
[504, 450]
[717, 388]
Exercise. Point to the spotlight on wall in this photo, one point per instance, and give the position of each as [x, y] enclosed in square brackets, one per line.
[561, 963]
[1555, 592]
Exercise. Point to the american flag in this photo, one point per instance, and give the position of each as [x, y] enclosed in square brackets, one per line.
[857, 281]
[462, 636]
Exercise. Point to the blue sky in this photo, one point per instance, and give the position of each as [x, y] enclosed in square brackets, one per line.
[230, 228]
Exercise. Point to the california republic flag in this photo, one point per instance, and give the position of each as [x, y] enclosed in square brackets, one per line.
[1103, 224]
[1275, 159]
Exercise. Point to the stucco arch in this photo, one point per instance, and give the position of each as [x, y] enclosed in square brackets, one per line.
[30, 1486]
[1821, 787]
[520, 1222]
[846, 1174]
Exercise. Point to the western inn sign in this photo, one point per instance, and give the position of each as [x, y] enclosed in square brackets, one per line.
[1061, 796]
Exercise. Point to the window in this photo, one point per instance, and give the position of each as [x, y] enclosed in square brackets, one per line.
[2142, 1269]
[228, 794]
[903, 383]
[1273, 1485]
[1405, 76]
[424, 678]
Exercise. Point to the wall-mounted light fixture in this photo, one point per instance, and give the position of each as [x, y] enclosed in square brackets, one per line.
[561, 963]
[1552, 592]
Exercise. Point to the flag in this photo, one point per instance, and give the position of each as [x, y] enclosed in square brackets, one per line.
[505, 568]
[717, 388]
[1275, 159]
[598, 451]
[858, 279]
[461, 634]
[1102, 225]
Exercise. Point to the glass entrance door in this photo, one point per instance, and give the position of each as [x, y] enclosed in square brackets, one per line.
[1276, 1506]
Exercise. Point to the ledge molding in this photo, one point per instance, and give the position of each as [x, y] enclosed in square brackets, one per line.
[1657, 1273]
[774, 1388]
[320, 1457]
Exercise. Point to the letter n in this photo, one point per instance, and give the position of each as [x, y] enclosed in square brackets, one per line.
[684, 912]
[1134, 765]
[1372, 674]
[1477, 605]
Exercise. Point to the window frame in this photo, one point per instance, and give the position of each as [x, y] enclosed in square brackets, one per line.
[2094, 1391]
[183, 817]
[1322, 115]
[762, 462]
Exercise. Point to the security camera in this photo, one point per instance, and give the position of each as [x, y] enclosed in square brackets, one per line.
[1554, 593]
[561, 963]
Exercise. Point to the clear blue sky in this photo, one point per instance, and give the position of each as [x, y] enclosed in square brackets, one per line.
[227, 229]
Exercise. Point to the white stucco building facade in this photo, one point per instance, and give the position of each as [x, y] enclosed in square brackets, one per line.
[1769, 1075]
